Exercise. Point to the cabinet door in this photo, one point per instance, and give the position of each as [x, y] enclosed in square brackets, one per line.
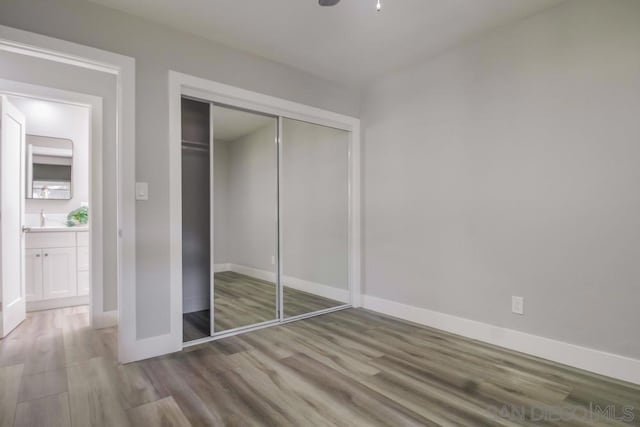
[83, 283]
[33, 274]
[59, 272]
[83, 258]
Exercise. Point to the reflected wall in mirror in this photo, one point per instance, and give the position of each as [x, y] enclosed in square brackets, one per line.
[245, 218]
[49, 167]
[314, 217]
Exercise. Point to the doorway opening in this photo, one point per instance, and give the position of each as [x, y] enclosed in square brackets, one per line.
[46, 149]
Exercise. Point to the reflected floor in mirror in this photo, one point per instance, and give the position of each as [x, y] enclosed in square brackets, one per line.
[242, 300]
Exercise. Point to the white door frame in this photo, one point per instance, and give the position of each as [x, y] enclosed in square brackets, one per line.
[183, 84]
[123, 68]
[98, 317]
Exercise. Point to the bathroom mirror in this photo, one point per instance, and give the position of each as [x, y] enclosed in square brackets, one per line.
[49, 166]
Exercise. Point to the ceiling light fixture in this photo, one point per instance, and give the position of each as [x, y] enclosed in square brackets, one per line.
[335, 2]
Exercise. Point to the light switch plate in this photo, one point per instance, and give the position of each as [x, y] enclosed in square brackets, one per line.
[517, 305]
[142, 191]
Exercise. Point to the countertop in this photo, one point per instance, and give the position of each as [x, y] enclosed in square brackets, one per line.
[56, 228]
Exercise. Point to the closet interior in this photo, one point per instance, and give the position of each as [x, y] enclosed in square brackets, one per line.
[265, 219]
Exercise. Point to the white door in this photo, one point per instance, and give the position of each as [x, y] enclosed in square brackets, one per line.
[59, 273]
[33, 274]
[12, 136]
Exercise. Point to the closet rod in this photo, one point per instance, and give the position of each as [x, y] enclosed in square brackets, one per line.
[193, 148]
[192, 145]
[187, 141]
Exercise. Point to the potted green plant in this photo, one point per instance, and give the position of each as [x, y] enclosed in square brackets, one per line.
[78, 216]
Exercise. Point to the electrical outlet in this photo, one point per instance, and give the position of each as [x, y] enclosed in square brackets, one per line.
[273, 260]
[142, 191]
[517, 305]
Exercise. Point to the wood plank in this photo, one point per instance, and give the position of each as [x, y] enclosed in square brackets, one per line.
[161, 413]
[10, 377]
[43, 384]
[348, 368]
[50, 411]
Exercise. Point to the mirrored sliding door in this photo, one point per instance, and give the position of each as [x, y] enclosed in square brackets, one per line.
[245, 218]
[265, 219]
[314, 217]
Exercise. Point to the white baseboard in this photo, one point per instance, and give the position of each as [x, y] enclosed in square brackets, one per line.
[219, 268]
[50, 304]
[252, 272]
[600, 362]
[151, 347]
[319, 289]
[106, 319]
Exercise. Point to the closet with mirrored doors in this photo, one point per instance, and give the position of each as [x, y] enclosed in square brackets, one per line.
[265, 219]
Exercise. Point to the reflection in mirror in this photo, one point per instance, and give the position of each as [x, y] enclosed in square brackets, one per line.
[314, 217]
[245, 206]
[48, 168]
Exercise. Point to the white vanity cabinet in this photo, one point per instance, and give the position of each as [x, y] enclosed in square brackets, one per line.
[57, 265]
[82, 241]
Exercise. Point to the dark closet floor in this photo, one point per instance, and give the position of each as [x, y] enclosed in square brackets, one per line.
[242, 300]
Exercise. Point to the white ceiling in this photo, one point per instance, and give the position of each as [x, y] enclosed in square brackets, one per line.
[230, 124]
[349, 43]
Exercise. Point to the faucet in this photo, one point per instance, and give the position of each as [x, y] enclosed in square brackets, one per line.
[43, 218]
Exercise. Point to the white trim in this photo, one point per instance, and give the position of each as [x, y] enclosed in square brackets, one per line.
[49, 304]
[319, 289]
[219, 268]
[269, 276]
[212, 228]
[221, 93]
[600, 362]
[182, 84]
[123, 67]
[106, 319]
[173, 340]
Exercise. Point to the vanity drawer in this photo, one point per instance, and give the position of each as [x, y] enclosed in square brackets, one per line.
[61, 239]
[83, 238]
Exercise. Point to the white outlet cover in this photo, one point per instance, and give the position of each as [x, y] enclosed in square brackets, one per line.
[517, 305]
[142, 191]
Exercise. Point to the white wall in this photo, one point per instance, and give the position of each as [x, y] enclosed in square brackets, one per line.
[156, 50]
[59, 120]
[509, 166]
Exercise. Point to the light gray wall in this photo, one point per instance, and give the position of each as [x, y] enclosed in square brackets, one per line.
[54, 75]
[220, 203]
[314, 209]
[158, 49]
[509, 166]
[314, 203]
[251, 199]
